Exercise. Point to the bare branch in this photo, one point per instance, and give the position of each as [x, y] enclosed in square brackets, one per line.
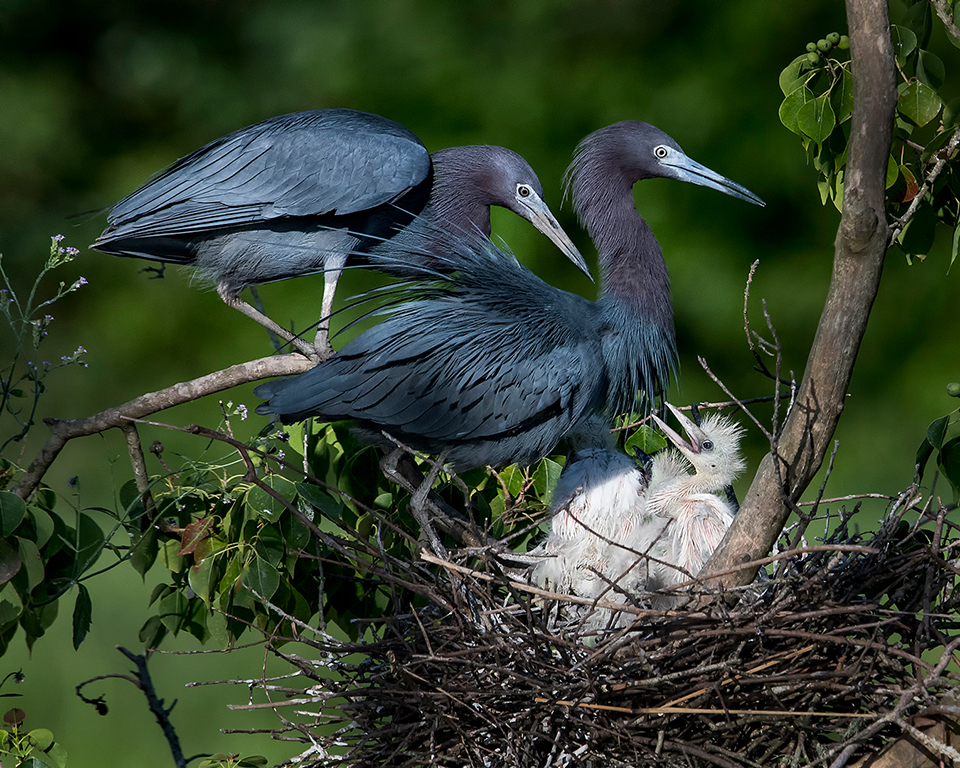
[62, 431]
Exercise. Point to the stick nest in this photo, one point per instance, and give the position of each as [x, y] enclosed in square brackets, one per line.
[823, 663]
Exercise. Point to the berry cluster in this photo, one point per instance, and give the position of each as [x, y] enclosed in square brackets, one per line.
[825, 45]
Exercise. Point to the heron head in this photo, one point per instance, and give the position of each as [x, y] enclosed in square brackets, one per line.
[712, 447]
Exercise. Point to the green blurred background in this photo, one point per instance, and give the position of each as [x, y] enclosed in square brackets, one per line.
[97, 96]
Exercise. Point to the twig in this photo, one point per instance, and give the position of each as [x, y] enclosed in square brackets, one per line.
[943, 157]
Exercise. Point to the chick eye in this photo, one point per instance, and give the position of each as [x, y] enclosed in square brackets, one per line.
[661, 151]
[707, 445]
[523, 190]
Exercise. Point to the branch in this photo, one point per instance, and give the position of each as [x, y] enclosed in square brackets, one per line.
[119, 416]
[144, 682]
[945, 13]
[942, 157]
[858, 261]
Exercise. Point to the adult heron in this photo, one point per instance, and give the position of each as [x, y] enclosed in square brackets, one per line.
[306, 192]
[490, 365]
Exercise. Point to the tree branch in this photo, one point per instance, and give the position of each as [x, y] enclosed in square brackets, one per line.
[61, 431]
[860, 247]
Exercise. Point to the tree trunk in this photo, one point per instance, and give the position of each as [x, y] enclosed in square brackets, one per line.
[860, 247]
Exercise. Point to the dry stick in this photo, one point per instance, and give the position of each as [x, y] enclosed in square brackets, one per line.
[700, 711]
[858, 262]
[61, 431]
[140, 474]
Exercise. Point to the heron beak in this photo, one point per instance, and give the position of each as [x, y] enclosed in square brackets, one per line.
[693, 432]
[683, 168]
[536, 211]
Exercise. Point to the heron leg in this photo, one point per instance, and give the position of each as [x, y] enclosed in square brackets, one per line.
[420, 505]
[304, 347]
[334, 264]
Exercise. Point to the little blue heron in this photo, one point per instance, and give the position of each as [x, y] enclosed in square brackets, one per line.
[301, 193]
[697, 517]
[490, 365]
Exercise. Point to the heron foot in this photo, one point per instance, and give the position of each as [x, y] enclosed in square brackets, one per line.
[424, 510]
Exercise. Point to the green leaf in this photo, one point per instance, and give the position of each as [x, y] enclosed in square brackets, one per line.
[919, 19]
[951, 116]
[930, 69]
[893, 171]
[91, 542]
[32, 562]
[261, 577]
[545, 478]
[200, 578]
[267, 506]
[174, 609]
[269, 545]
[295, 533]
[795, 74]
[41, 738]
[132, 500]
[10, 562]
[11, 605]
[82, 615]
[919, 103]
[937, 430]
[159, 591]
[816, 118]
[144, 553]
[42, 523]
[329, 506]
[152, 632]
[949, 463]
[845, 105]
[645, 439]
[12, 510]
[217, 626]
[904, 43]
[791, 106]
[383, 500]
[918, 236]
[513, 478]
[837, 195]
[231, 574]
[254, 761]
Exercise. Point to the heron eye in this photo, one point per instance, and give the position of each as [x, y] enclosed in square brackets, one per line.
[523, 190]
[707, 445]
[661, 151]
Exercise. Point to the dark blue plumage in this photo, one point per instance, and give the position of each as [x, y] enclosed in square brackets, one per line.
[299, 193]
[490, 365]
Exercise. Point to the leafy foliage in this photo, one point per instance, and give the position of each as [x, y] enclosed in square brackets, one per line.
[943, 439]
[817, 106]
[240, 548]
[37, 748]
[46, 546]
